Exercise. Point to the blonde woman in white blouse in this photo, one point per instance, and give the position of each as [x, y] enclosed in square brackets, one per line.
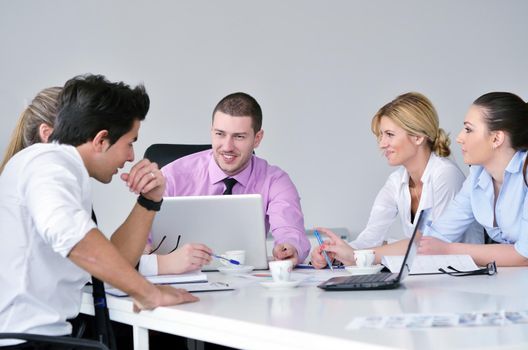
[409, 135]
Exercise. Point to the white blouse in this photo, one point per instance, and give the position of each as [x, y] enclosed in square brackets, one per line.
[442, 179]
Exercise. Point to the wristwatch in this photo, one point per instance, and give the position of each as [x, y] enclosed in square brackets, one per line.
[149, 204]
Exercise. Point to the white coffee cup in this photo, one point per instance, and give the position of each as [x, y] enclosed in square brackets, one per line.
[281, 270]
[364, 257]
[238, 255]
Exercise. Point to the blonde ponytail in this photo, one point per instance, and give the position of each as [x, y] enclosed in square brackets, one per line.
[16, 143]
[42, 110]
[441, 144]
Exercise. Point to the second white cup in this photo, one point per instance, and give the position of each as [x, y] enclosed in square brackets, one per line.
[364, 257]
[281, 270]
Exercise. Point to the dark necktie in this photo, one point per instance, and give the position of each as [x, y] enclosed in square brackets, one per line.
[229, 183]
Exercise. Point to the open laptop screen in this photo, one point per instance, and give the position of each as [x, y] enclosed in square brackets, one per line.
[223, 223]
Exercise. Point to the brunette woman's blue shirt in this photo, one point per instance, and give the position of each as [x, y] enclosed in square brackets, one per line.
[475, 201]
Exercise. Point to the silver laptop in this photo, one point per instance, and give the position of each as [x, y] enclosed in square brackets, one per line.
[223, 223]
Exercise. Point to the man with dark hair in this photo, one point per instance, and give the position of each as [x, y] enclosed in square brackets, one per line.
[50, 243]
[232, 168]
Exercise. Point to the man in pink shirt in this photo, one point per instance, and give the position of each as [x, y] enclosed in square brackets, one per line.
[235, 133]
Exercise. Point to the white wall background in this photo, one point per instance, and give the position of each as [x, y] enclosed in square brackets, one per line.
[320, 70]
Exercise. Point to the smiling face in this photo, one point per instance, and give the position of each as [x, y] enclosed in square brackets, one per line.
[233, 141]
[113, 157]
[398, 146]
[475, 139]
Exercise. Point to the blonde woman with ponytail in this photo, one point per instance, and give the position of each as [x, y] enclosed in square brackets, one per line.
[35, 124]
[410, 137]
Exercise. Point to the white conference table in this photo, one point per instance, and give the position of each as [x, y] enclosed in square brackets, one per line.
[306, 317]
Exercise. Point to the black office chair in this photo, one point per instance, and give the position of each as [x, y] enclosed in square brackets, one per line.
[58, 342]
[164, 153]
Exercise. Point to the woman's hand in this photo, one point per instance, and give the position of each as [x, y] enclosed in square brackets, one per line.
[432, 246]
[335, 247]
[189, 257]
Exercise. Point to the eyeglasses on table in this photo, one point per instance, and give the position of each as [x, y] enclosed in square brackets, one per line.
[161, 242]
[490, 270]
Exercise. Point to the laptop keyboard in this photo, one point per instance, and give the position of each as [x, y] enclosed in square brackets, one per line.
[377, 277]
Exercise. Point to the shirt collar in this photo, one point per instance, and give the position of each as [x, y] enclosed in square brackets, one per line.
[216, 174]
[484, 179]
[405, 177]
[426, 174]
[516, 163]
[514, 166]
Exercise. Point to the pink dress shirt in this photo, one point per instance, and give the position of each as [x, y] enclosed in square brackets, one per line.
[198, 174]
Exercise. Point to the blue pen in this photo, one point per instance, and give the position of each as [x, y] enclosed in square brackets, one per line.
[318, 236]
[311, 267]
[232, 261]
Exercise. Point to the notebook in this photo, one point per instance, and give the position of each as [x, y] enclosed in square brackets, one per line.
[382, 280]
[194, 281]
[234, 222]
[188, 277]
[190, 287]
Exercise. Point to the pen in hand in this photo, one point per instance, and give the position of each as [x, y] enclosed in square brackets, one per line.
[318, 236]
[232, 261]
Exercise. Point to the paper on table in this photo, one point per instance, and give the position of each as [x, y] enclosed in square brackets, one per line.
[194, 276]
[317, 276]
[190, 287]
[424, 320]
[429, 264]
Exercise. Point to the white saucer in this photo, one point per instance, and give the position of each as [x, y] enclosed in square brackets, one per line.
[360, 270]
[280, 285]
[235, 269]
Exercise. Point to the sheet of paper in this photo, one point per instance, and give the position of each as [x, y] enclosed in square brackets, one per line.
[194, 276]
[428, 264]
[314, 277]
[468, 319]
[190, 287]
[307, 276]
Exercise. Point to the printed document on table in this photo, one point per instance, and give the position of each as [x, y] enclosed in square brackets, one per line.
[189, 277]
[423, 320]
[190, 287]
[429, 264]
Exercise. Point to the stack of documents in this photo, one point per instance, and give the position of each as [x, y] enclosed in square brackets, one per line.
[195, 281]
[429, 264]
[189, 277]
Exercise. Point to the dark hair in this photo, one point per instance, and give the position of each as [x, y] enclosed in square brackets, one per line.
[507, 112]
[240, 104]
[90, 103]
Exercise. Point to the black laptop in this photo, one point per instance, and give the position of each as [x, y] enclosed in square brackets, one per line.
[382, 280]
